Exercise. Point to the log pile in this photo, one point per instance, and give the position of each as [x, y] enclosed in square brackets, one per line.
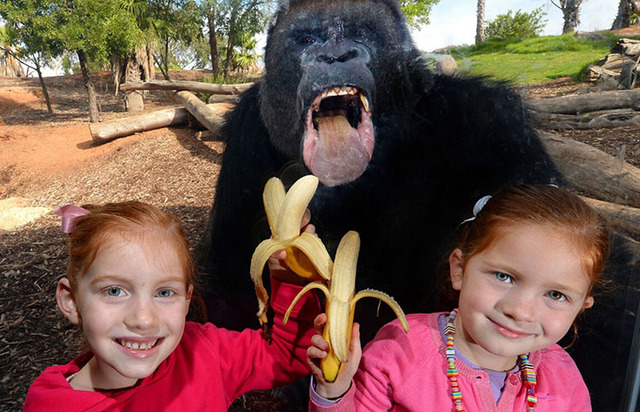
[588, 111]
[614, 182]
[618, 70]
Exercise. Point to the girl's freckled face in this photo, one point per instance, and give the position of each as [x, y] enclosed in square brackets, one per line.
[132, 301]
[521, 294]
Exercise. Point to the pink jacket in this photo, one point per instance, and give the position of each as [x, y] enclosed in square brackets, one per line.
[208, 370]
[407, 372]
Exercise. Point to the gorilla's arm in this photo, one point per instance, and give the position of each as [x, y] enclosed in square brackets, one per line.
[248, 161]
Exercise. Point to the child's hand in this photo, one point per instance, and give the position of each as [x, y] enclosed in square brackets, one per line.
[319, 351]
[277, 266]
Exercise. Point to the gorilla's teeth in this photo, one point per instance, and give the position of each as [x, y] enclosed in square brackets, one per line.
[339, 91]
[365, 102]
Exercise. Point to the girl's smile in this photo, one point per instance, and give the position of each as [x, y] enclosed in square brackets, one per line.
[508, 332]
[138, 348]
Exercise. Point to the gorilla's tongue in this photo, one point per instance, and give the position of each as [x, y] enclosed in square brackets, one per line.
[339, 155]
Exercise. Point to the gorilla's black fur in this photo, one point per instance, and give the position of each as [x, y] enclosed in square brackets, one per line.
[440, 144]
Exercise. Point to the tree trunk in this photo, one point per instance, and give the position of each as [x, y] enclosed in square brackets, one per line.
[204, 114]
[480, 37]
[585, 103]
[227, 89]
[94, 113]
[9, 65]
[45, 93]
[213, 41]
[231, 42]
[593, 120]
[593, 171]
[106, 131]
[620, 217]
[623, 17]
[571, 13]
[150, 65]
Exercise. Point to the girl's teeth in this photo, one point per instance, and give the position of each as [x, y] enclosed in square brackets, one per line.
[138, 346]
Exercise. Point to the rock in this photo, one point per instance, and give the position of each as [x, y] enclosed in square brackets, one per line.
[593, 35]
[442, 63]
[14, 213]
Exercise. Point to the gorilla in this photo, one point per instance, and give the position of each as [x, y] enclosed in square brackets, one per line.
[402, 154]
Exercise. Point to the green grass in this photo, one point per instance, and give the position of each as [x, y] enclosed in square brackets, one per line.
[534, 60]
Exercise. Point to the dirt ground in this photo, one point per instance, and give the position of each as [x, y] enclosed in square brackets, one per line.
[50, 160]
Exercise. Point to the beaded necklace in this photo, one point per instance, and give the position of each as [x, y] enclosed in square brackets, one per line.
[528, 373]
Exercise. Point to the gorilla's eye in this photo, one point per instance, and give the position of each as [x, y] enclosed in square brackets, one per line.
[361, 33]
[307, 39]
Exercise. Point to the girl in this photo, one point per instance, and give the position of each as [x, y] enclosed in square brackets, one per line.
[129, 284]
[525, 268]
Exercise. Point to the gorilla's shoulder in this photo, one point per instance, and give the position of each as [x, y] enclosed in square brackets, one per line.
[473, 88]
[248, 102]
[474, 102]
[247, 107]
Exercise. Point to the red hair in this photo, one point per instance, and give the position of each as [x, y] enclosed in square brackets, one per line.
[94, 230]
[540, 205]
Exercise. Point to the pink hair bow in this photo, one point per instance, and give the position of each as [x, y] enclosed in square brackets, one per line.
[69, 214]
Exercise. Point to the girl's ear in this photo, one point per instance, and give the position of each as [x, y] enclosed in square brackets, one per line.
[189, 295]
[67, 302]
[588, 302]
[455, 269]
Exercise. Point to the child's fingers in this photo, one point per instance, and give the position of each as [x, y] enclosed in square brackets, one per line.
[316, 353]
[354, 346]
[314, 367]
[276, 261]
[319, 342]
[306, 218]
[355, 353]
[319, 322]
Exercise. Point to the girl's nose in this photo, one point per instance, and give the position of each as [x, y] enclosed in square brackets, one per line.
[142, 314]
[519, 306]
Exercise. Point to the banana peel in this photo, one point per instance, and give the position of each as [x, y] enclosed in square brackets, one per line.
[340, 305]
[306, 254]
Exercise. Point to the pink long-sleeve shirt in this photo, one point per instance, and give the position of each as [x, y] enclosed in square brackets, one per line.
[407, 372]
[206, 372]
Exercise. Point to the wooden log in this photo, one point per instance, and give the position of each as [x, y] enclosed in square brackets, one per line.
[232, 89]
[621, 217]
[593, 120]
[210, 116]
[593, 171]
[106, 131]
[590, 102]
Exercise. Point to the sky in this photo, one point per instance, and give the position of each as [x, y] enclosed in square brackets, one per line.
[453, 22]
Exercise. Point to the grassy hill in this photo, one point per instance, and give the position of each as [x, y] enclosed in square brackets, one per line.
[534, 60]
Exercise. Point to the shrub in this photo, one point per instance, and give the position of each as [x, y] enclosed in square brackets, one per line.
[521, 25]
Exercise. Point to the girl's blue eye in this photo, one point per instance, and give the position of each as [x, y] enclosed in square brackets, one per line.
[166, 293]
[503, 277]
[557, 296]
[114, 291]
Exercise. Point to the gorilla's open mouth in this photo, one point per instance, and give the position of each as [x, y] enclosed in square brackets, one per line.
[339, 139]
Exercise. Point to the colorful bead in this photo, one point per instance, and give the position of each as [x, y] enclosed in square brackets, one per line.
[526, 368]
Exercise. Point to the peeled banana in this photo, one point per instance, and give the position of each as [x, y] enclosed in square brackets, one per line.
[340, 305]
[306, 254]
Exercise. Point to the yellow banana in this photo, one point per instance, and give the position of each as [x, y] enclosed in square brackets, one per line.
[306, 254]
[340, 305]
